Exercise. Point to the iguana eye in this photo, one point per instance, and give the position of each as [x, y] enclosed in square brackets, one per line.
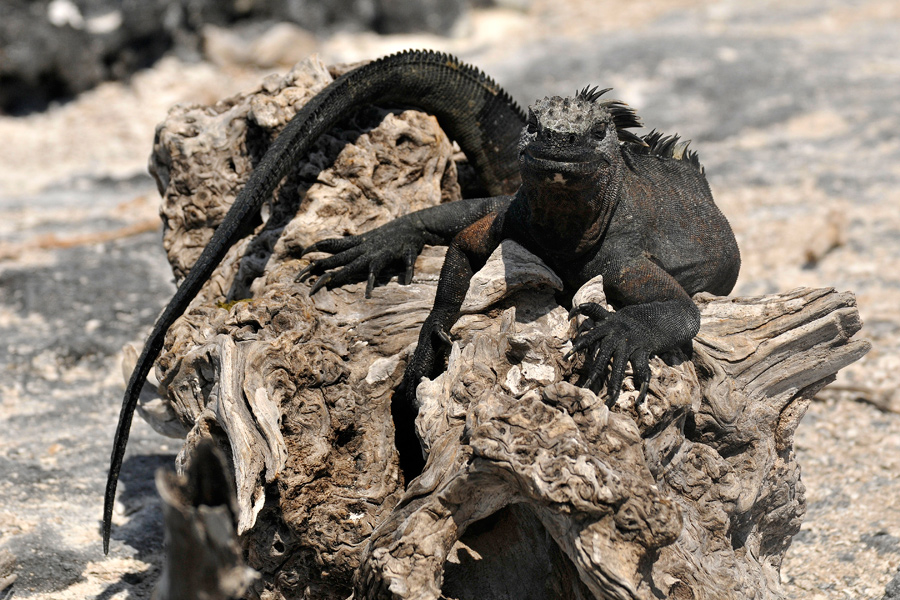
[599, 132]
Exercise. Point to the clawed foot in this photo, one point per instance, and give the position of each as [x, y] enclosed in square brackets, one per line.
[613, 339]
[358, 256]
[433, 340]
[404, 406]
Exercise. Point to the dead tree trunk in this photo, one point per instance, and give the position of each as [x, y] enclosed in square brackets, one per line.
[534, 488]
[203, 556]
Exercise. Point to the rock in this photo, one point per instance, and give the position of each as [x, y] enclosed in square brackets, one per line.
[892, 591]
[405, 16]
[280, 45]
[55, 49]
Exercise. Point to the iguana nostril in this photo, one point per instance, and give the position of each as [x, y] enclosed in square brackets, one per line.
[571, 138]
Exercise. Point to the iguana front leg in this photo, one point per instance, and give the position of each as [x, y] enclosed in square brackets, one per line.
[468, 252]
[466, 227]
[656, 315]
[363, 256]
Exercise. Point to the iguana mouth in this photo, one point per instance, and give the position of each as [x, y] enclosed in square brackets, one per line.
[565, 166]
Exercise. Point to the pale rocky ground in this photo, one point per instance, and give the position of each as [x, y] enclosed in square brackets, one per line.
[793, 109]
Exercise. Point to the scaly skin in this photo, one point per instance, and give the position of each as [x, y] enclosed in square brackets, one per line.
[470, 107]
[594, 199]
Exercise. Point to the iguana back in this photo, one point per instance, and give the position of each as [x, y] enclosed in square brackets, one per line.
[683, 228]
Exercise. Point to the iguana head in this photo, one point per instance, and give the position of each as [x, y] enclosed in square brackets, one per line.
[572, 166]
[574, 141]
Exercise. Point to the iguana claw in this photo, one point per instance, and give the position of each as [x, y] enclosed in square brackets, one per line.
[320, 283]
[444, 337]
[613, 341]
[364, 257]
[593, 310]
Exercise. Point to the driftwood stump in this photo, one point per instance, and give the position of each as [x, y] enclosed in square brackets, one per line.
[203, 559]
[533, 488]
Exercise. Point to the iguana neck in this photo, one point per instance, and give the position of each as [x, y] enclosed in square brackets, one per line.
[571, 218]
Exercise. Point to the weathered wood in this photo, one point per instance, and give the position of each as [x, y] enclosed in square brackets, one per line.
[534, 487]
[203, 556]
[7, 573]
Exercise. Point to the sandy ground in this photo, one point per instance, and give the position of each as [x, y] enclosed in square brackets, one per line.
[793, 110]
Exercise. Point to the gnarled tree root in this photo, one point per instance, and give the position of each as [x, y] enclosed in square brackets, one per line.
[534, 487]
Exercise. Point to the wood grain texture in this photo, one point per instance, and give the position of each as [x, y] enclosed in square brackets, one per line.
[534, 487]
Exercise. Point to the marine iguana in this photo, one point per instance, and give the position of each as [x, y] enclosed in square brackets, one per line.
[632, 209]
[594, 199]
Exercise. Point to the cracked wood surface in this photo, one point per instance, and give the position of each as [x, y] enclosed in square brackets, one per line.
[693, 493]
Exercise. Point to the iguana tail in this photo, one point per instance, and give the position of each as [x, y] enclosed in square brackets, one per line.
[470, 107]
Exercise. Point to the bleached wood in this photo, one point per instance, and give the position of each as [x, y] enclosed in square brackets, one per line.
[534, 487]
[203, 556]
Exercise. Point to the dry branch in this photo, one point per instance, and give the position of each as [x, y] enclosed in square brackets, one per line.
[203, 557]
[533, 486]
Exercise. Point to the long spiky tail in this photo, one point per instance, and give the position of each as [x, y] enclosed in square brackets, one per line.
[470, 107]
